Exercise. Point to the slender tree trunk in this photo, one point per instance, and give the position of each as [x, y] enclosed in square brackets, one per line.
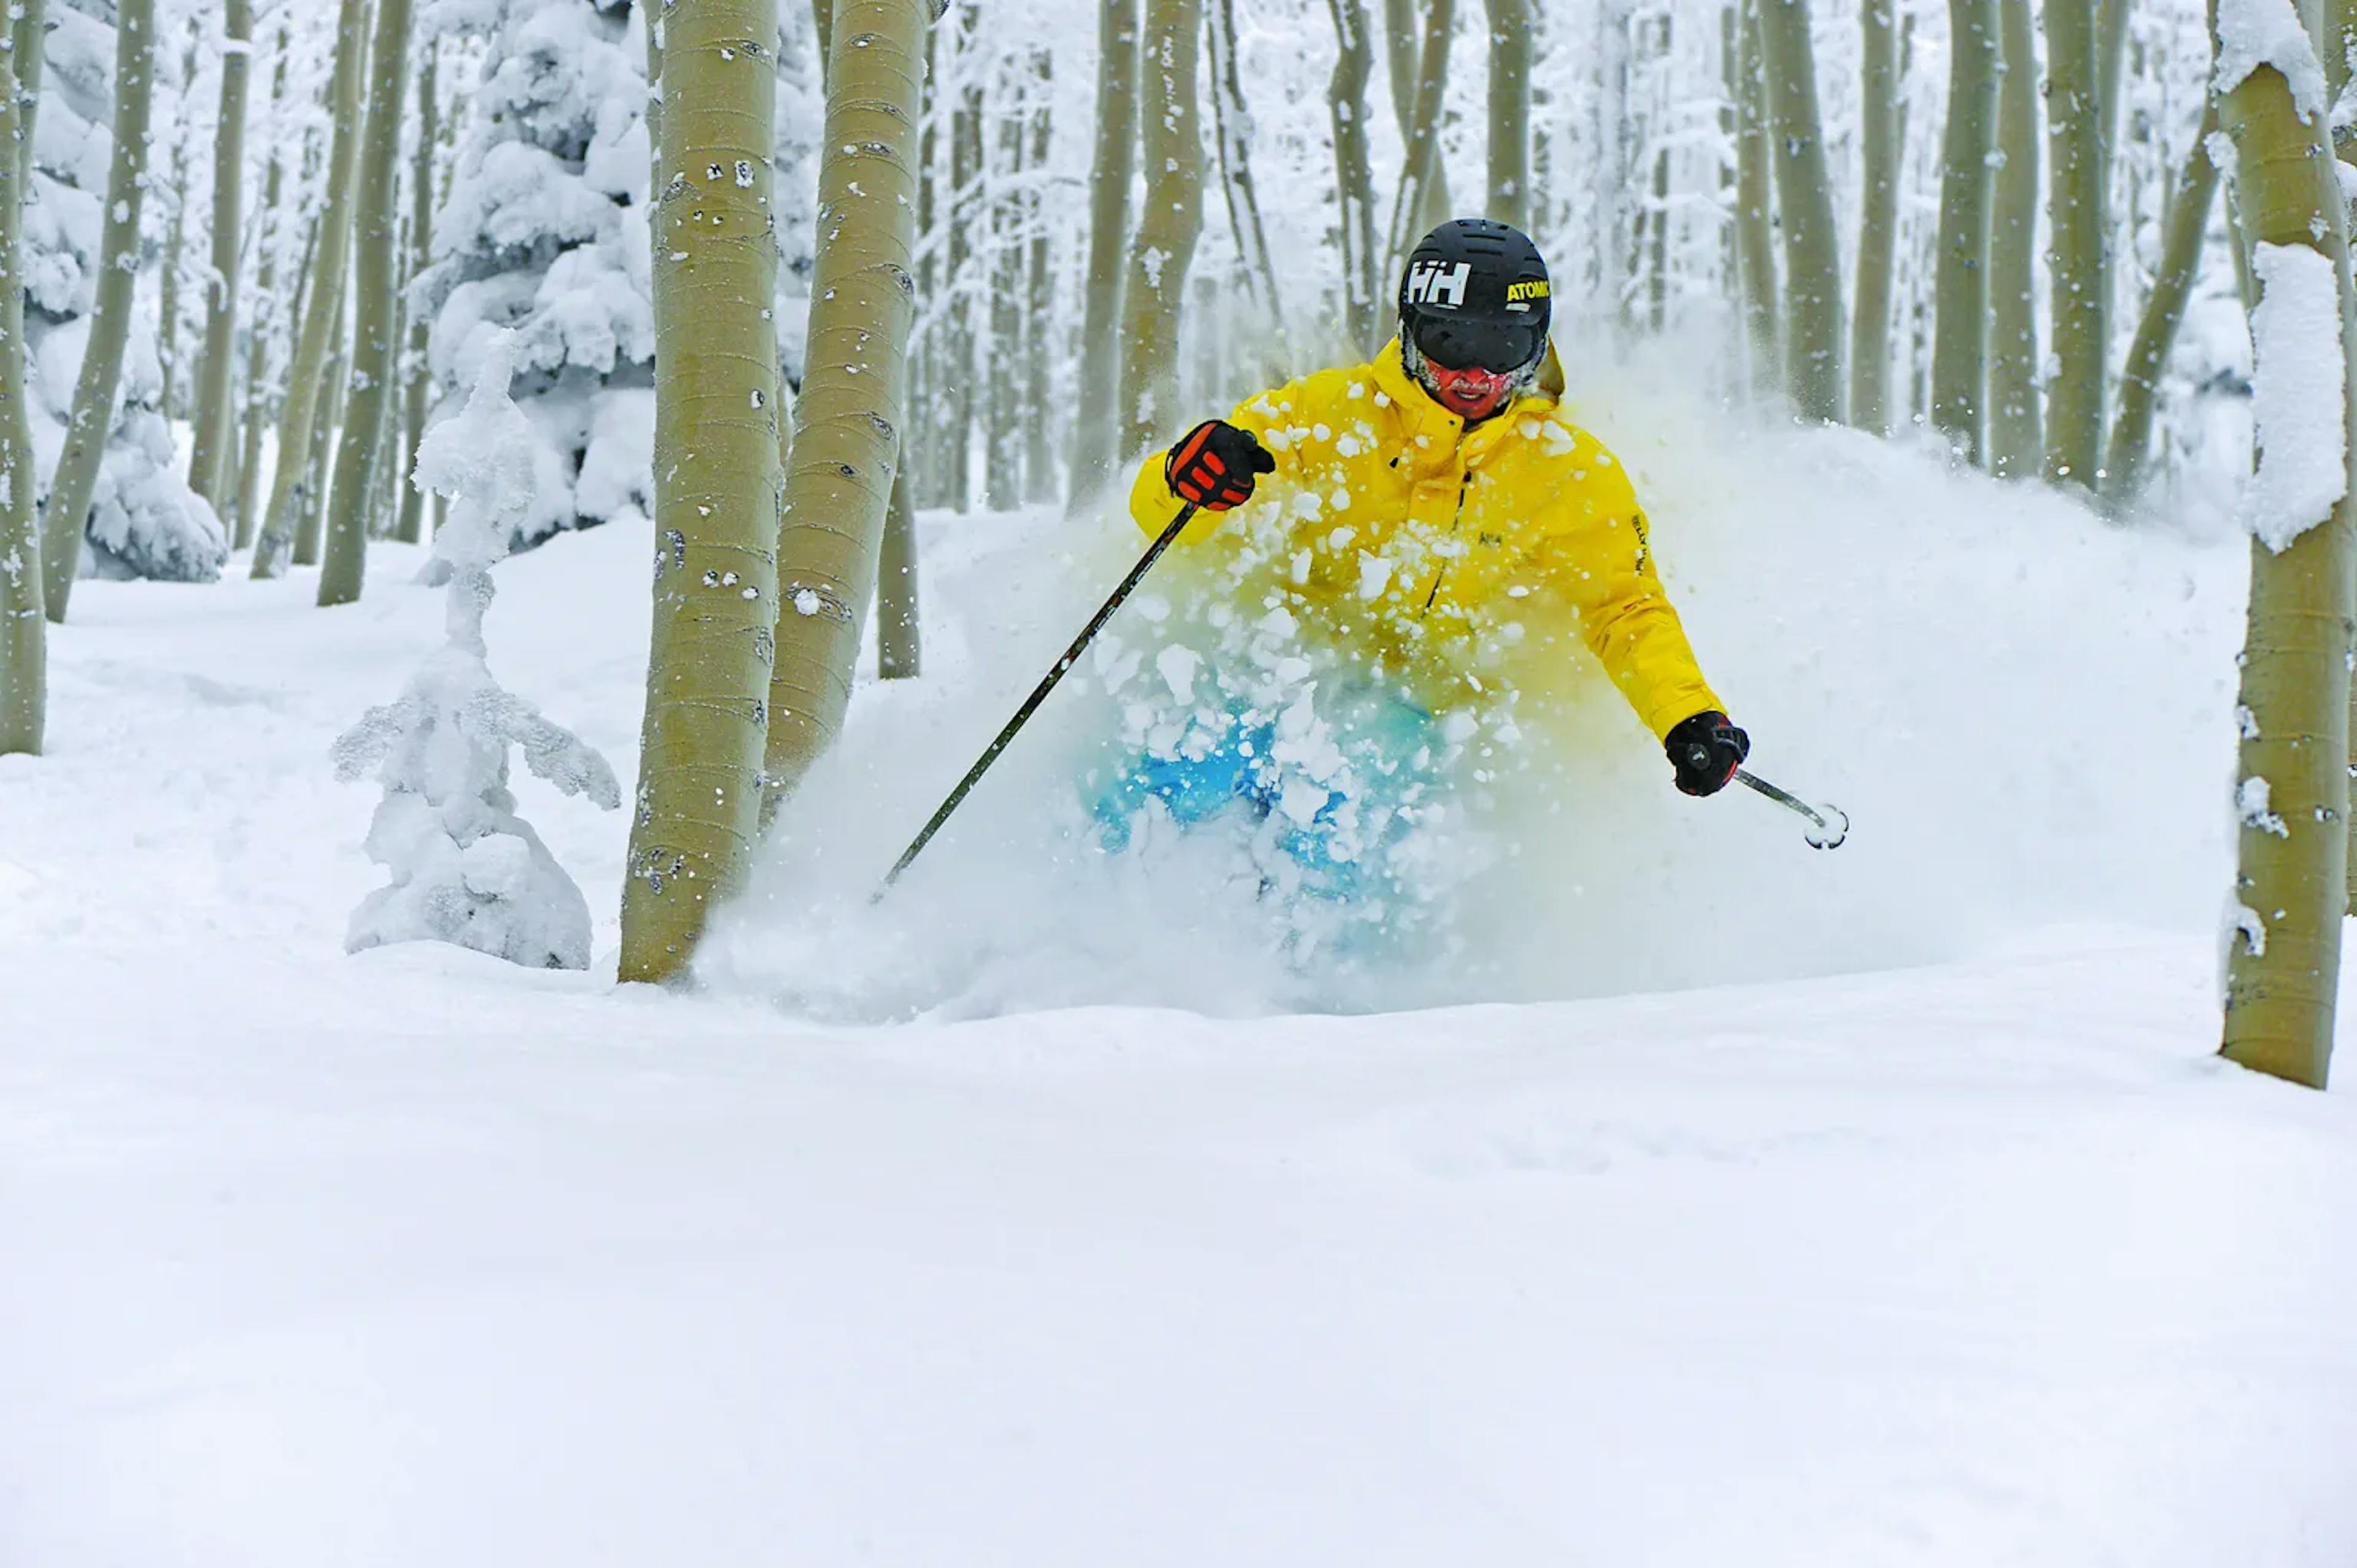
[848, 420]
[24, 633]
[289, 485]
[2291, 883]
[1002, 409]
[26, 40]
[1960, 349]
[2164, 310]
[1657, 258]
[318, 463]
[1230, 119]
[167, 344]
[110, 318]
[256, 411]
[716, 480]
[416, 394]
[898, 644]
[921, 444]
[1879, 153]
[1354, 185]
[373, 365]
[210, 443]
[2110, 51]
[1812, 354]
[1755, 213]
[1510, 111]
[2075, 215]
[1168, 224]
[1039, 457]
[965, 200]
[383, 505]
[1404, 56]
[1095, 416]
[2016, 445]
[1419, 172]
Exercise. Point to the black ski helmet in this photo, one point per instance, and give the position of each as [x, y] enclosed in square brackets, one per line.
[1475, 296]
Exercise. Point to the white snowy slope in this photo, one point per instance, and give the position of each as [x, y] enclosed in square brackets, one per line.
[1927, 1232]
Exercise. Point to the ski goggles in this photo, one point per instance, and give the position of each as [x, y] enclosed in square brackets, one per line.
[1461, 343]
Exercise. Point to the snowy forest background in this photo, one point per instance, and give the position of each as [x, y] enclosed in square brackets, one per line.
[522, 196]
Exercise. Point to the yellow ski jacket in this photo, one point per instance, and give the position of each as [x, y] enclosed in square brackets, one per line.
[1450, 552]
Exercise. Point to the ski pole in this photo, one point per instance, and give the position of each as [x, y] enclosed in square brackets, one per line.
[1822, 833]
[1040, 694]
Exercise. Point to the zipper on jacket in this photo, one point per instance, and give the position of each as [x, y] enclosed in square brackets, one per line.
[1455, 521]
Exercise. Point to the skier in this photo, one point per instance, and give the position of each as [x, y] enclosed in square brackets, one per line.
[1435, 518]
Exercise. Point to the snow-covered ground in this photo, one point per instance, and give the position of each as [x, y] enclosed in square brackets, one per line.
[1920, 1226]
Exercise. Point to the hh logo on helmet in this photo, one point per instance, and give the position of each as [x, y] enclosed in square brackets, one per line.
[1435, 283]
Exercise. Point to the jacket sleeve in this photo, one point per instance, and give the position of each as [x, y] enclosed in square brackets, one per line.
[1599, 555]
[1152, 502]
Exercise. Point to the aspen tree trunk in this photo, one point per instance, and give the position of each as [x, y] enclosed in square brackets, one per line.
[2339, 50]
[1039, 457]
[2076, 219]
[2016, 445]
[717, 481]
[318, 465]
[822, 25]
[26, 42]
[290, 490]
[110, 318]
[2164, 310]
[1095, 418]
[2110, 51]
[410, 528]
[1002, 412]
[1228, 118]
[210, 442]
[846, 422]
[1960, 348]
[1419, 176]
[898, 644]
[167, 345]
[1657, 259]
[1354, 184]
[374, 325]
[1405, 58]
[1755, 210]
[1813, 344]
[255, 413]
[1168, 224]
[24, 633]
[920, 442]
[965, 198]
[1879, 151]
[2291, 883]
[1510, 111]
[385, 456]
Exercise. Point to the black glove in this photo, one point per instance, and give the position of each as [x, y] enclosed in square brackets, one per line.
[1707, 750]
[1213, 463]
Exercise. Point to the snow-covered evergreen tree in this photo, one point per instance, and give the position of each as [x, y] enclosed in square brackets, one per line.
[466, 868]
[145, 521]
[544, 232]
